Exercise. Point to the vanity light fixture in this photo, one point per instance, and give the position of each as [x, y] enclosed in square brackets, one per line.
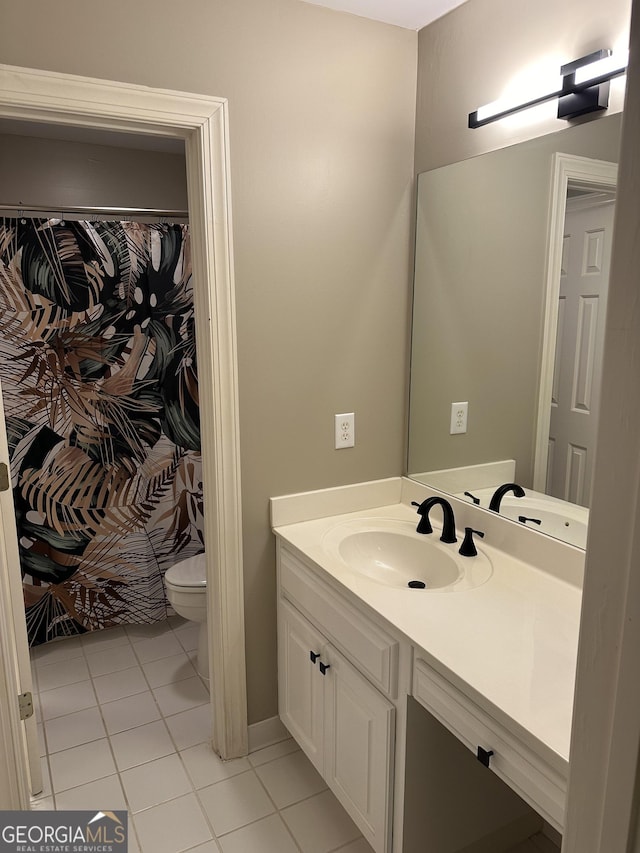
[582, 87]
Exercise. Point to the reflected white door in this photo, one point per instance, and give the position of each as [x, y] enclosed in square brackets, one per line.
[584, 282]
[17, 663]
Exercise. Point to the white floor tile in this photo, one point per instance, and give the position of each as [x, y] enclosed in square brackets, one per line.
[290, 779]
[191, 727]
[207, 847]
[74, 729]
[359, 846]
[156, 782]
[132, 840]
[181, 696]
[188, 636]
[63, 672]
[104, 661]
[268, 835]
[320, 824]
[142, 744]
[168, 670]
[130, 712]
[101, 640]
[117, 685]
[102, 795]
[81, 764]
[276, 750]
[235, 802]
[151, 629]
[56, 650]
[172, 827]
[156, 648]
[62, 700]
[205, 767]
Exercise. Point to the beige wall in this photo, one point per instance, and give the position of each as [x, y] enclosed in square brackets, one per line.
[58, 172]
[322, 109]
[473, 55]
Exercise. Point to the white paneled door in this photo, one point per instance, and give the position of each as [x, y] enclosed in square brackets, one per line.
[578, 364]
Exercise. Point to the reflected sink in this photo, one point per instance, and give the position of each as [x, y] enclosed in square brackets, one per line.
[561, 520]
[390, 552]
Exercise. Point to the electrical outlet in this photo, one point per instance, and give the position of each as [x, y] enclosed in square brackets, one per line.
[345, 430]
[459, 413]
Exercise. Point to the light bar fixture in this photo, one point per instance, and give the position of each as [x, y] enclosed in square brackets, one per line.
[582, 87]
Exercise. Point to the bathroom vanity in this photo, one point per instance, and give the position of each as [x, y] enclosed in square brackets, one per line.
[413, 703]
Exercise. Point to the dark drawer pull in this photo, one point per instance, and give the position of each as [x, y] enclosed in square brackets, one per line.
[484, 756]
[324, 667]
[314, 656]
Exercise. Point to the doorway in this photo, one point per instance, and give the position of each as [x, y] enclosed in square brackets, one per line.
[584, 282]
[578, 176]
[201, 122]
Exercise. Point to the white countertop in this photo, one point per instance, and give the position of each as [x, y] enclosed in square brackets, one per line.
[510, 644]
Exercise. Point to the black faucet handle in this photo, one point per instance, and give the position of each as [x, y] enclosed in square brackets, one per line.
[468, 547]
[473, 498]
[524, 518]
[424, 525]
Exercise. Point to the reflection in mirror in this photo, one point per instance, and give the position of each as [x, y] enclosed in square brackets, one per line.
[486, 250]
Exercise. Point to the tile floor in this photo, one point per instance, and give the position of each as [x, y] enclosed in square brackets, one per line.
[124, 725]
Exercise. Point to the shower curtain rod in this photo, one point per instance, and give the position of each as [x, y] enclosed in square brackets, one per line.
[111, 211]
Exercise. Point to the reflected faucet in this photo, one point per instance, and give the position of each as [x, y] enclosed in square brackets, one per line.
[501, 491]
[448, 521]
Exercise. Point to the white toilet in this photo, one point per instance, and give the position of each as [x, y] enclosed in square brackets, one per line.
[186, 586]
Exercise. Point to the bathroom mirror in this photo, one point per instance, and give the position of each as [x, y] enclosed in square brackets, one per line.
[480, 289]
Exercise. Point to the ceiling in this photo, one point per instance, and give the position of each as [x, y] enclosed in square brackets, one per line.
[412, 14]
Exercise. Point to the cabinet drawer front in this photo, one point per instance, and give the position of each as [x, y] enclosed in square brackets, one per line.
[518, 765]
[370, 648]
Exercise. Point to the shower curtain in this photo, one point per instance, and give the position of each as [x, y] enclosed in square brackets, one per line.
[100, 391]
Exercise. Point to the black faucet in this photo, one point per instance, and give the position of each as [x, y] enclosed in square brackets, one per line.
[468, 547]
[448, 521]
[501, 491]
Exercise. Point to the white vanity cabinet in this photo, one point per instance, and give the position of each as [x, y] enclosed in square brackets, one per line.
[328, 657]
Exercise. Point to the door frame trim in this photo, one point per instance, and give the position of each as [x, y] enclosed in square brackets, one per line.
[567, 168]
[202, 122]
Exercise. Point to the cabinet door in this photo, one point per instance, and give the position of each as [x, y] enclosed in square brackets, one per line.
[359, 731]
[300, 685]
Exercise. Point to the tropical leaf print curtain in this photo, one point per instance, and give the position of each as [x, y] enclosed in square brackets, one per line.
[99, 385]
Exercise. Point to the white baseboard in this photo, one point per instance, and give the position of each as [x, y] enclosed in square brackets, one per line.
[266, 733]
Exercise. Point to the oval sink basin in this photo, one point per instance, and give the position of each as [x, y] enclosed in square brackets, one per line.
[390, 552]
[396, 559]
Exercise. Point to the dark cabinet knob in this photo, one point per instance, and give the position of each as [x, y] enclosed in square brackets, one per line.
[324, 667]
[314, 656]
[484, 756]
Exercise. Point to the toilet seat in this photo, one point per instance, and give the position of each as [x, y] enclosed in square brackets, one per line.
[188, 574]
